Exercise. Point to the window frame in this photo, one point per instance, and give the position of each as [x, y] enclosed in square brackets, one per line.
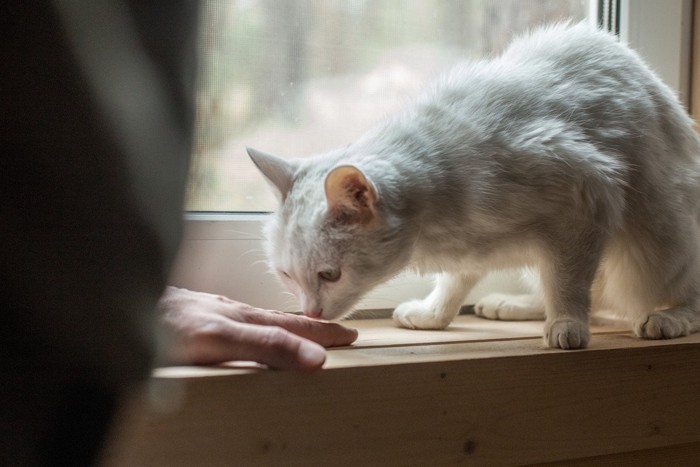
[223, 253]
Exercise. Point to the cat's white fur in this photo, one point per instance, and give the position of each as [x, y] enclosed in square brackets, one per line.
[565, 154]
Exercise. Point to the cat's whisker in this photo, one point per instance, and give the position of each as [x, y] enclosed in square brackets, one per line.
[273, 274]
[260, 262]
[254, 251]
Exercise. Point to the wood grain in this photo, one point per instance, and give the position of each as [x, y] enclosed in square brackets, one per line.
[695, 65]
[492, 401]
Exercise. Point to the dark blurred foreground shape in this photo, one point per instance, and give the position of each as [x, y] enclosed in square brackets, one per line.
[96, 122]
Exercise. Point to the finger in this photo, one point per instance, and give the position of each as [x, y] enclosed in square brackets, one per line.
[269, 345]
[322, 332]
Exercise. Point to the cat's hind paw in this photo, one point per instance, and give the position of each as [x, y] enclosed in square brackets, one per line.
[416, 314]
[510, 307]
[663, 324]
[566, 334]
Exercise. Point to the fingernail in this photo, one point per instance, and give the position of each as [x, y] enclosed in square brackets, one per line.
[354, 333]
[311, 354]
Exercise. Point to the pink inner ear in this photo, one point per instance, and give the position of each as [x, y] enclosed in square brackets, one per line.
[358, 191]
[350, 197]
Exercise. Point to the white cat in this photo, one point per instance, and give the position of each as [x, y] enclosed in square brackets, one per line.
[566, 155]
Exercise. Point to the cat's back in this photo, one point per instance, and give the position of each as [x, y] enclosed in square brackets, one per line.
[553, 70]
[574, 78]
[567, 48]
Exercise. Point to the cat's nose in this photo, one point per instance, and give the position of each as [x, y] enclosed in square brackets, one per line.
[311, 306]
[314, 313]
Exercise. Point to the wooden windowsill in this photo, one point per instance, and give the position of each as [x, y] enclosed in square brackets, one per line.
[481, 392]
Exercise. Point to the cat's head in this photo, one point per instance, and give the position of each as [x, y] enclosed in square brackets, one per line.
[331, 240]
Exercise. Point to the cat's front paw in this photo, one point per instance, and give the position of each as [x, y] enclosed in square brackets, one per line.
[490, 306]
[416, 314]
[566, 333]
[510, 307]
[662, 325]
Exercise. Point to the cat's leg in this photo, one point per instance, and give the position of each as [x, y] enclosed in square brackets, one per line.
[527, 306]
[675, 321]
[668, 323]
[524, 307]
[566, 282]
[567, 305]
[439, 308]
[668, 273]
[644, 288]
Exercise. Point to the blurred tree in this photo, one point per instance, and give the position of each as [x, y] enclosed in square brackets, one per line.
[284, 68]
[461, 22]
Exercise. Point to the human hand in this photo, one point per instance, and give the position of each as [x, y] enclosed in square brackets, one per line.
[208, 329]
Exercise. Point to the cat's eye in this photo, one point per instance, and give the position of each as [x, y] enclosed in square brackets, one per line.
[330, 275]
[285, 274]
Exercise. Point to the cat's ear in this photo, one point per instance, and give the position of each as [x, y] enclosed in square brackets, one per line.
[279, 172]
[351, 197]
